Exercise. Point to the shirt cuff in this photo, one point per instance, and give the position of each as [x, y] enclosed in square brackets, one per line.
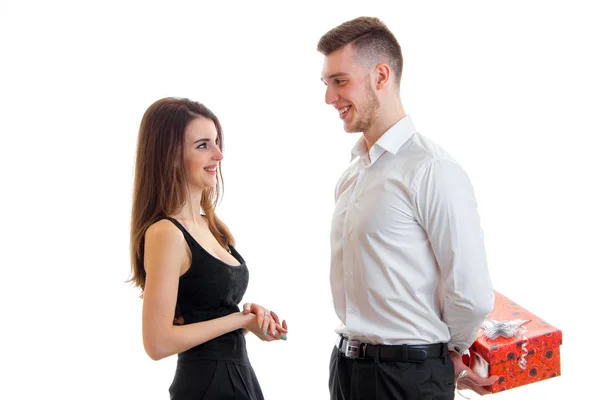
[462, 350]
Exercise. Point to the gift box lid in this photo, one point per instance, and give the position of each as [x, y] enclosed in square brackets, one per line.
[538, 335]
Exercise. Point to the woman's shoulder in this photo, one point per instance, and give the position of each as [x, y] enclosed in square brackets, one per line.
[164, 230]
[165, 247]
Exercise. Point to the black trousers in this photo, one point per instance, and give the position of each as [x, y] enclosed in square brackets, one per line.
[353, 379]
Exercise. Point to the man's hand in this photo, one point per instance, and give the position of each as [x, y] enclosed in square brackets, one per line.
[470, 381]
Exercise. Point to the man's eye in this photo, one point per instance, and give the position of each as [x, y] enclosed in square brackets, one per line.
[339, 81]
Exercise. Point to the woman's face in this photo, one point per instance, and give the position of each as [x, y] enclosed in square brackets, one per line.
[201, 154]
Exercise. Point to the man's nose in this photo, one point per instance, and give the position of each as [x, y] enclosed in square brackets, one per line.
[330, 95]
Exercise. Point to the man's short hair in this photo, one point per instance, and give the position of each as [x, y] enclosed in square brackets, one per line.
[372, 41]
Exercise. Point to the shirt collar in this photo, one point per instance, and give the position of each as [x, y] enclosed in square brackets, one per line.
[391, 141]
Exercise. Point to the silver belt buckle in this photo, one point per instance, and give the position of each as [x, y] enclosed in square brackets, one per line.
[351, 348]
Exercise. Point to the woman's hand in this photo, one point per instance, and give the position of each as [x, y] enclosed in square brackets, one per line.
[267, 325]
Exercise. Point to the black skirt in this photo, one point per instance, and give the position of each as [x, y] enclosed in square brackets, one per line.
[218, 369]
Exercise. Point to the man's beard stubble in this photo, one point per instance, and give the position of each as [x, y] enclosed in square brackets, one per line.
[370, 113]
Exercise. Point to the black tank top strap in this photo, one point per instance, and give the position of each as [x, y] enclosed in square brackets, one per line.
[188, 238]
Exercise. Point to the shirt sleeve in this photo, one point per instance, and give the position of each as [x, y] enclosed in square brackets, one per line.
[447, 211]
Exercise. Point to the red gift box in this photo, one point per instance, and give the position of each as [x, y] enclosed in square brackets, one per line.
[530, 354]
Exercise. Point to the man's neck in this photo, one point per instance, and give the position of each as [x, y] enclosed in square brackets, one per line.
[388, 118]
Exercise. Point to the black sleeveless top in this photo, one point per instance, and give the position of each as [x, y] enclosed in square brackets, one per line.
[210, 288]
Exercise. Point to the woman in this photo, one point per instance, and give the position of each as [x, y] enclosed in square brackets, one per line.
[184, 260]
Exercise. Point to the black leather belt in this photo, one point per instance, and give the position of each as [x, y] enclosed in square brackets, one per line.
[400, 353]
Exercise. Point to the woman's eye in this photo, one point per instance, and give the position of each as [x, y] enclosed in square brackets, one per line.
[201, 146]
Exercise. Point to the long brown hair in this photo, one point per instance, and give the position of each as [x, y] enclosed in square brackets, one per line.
[160, 185]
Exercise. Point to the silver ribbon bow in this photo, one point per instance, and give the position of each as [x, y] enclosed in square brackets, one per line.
[492, 329]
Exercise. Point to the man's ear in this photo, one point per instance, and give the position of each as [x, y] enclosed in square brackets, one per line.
[382, 75]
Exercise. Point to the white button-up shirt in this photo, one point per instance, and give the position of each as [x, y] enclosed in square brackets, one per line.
[408, 262]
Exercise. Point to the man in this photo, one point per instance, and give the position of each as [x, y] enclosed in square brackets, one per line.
[409, 277]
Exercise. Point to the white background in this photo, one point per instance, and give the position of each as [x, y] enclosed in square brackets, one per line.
[510, 89]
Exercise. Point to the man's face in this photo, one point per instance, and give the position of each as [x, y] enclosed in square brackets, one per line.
[350, 90]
